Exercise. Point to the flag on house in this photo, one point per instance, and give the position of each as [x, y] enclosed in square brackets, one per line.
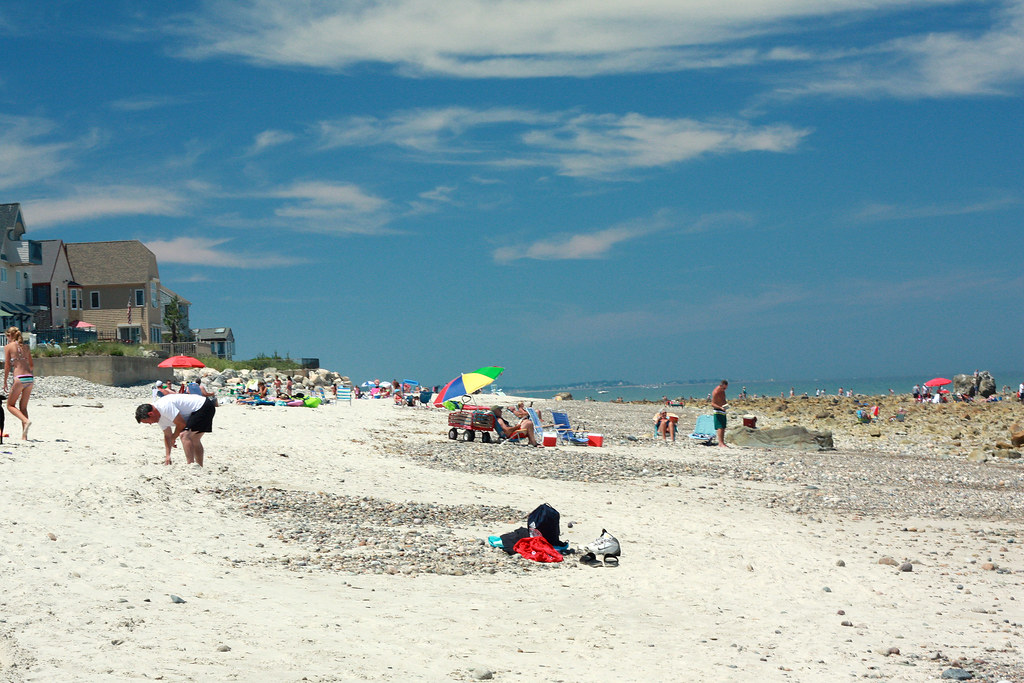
[129, 311]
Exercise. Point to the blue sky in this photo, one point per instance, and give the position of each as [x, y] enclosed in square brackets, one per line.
[573, 189]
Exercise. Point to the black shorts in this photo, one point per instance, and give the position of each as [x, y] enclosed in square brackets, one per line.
[202, 419]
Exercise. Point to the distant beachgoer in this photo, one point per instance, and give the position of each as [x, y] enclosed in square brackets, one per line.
[840, 392]
[1020, 392]
[849, 393]
[791, 392]
[718, 407]
[160, 390]
[288, 387]
[185, 415]
[18, 361]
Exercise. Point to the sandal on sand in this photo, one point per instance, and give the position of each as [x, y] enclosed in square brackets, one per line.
[611, 560]
[590, 560]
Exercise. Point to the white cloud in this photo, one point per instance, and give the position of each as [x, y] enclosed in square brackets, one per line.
[145, 103]
[590, 145]
[202, 251]
[24, 160]
[90, 203]
[934, 64]
[504, 38]
[576, 144]
[894, 212]
[318, 206]
[270, 138]
[593, 245]
[425, 130]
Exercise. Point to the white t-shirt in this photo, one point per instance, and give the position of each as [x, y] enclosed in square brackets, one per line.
[173, 405]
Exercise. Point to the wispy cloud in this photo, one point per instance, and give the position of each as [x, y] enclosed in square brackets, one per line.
[482, 39]
[202, 251]
[91, 203]
[145, 102]
[425, 130]
[933, 64]
[318, 206]
[590, 145]
[594, 245]
[270, 138]
[893, 212]
[24, 157]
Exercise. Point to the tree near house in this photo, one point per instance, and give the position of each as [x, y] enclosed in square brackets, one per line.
[174, 319]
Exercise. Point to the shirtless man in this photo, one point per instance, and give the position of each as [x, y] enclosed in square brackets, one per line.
[18, 361]
[718, 406]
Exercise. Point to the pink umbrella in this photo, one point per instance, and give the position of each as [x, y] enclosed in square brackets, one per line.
[938, 382]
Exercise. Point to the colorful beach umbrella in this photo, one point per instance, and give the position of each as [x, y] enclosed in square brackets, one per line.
[938, 382]
[181, 362]
[467, 383]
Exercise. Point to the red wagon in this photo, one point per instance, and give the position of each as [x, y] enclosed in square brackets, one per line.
[471, 419]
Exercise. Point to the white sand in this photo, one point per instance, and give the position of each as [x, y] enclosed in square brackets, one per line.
[713, 584]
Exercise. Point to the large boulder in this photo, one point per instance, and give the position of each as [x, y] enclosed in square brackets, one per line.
[984, 384]
[962, 384]
[784, 437]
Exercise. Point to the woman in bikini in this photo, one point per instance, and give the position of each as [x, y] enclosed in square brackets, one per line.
[18, 361]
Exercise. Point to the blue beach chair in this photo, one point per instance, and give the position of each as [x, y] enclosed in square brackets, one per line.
[565, 431]
[705, 428]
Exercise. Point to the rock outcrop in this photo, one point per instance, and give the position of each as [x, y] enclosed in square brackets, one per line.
[783, 437]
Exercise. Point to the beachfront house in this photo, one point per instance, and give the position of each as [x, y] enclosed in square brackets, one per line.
[17, 257]
[54, 290]
[121, 291]
[220, 339]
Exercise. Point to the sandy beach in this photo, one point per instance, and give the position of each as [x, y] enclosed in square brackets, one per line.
[346, 543]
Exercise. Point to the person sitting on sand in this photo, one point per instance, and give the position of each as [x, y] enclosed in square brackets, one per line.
[523, 426]
[665, 424]
[18, 361]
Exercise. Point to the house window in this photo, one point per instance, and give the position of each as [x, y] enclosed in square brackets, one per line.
[154, 298]
[3, 274]
[17, 281]
[94, 299]
[75, 303]
[155, 335]
[140, 297]
[132, 335]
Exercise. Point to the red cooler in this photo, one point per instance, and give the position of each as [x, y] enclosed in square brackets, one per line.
[750, 421]
[550, 439]
[595, 439]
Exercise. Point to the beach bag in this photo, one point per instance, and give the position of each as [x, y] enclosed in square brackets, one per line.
[545, 520]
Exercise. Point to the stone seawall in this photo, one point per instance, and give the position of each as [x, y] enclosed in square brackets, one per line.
[116, 371]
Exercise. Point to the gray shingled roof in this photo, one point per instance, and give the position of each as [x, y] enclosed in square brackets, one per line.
[213, 333]
[111, 263]
[9, 215]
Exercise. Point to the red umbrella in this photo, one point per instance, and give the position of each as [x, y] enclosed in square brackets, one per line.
[938, 382]
[181, 362]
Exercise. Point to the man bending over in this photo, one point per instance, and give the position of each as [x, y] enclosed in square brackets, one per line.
[186, 415]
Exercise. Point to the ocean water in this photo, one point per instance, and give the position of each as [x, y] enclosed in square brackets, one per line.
[866, 386]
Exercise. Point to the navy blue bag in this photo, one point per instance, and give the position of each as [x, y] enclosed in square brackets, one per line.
[545, 520]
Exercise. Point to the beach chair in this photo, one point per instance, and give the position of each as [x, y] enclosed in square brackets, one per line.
[705, 428]
[540, 429]
[345, 394]
[565, 431]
